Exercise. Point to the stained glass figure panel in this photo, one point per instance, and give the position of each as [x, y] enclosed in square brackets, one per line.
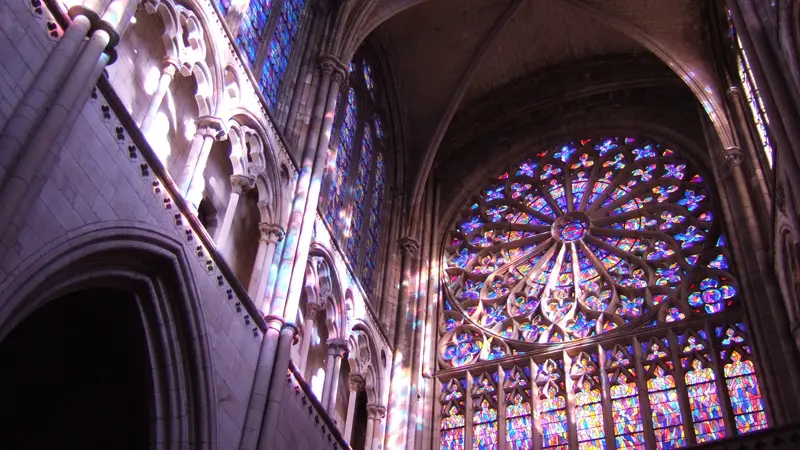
[360, 192]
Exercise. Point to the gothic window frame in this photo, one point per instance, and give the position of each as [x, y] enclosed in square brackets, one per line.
[466, 346]
[370, 106]
[269, 35]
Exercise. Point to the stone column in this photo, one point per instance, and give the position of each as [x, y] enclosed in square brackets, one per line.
[399, 390]
[70, 97]
[357, 383]
[374, 437]
[168, 68]
[312, 310]
[192, 183]
[269, 235]
[336, 350]
[239, 185]
[33, 106]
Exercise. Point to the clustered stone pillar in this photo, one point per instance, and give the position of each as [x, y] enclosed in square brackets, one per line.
[399, 390]
[275, 350]
[239, 185]
[168, 69]
[336, 350]
[374, 438]
[59, 92]
[269, 236]
[192, 183]
[356, 384]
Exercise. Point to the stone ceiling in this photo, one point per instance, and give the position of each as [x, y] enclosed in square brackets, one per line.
[449, 55]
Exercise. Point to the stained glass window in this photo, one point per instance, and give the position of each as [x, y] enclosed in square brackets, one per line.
[625, 408]
[484, 418]
[355, 197]
[343, 155]
[663, 395]
[373, 230]
[224, 6]
[280, 47]
[252, 28]
[741, 379]
[519, 434]
[588, 402]
[552, 405]
[360, 188]
[452, 423]
[754, 101]
[585, 237]
[701, 387]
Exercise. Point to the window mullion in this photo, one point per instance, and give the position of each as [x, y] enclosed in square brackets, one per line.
[572, 432]
[719, 380]
[266, 37]
[644, 400]
[683, 395]
[468, 412]
[608, 412]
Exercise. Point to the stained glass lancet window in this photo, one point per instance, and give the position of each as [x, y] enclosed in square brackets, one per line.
[484, 417]
[754, 102]
[519, 435]
[591, 273]
[552, 405]
[342, 161]
[452, 422]
[355, 201]
[740, 377]
[588, 402]
[625, 407]
[701, 386]
[280, 48]
[663, 395]
[252, 28]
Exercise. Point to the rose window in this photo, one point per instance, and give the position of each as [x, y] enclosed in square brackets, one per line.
[579, 240]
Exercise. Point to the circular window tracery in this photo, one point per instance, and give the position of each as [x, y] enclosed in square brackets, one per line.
[580, 240]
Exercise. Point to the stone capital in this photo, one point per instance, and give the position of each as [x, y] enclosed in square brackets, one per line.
[313, 309]
[337, 347]
[241, 183]
[211, 126]
[331, 65]
[408, 245]
[270, 232]
[733, 157]
[376, 411]
[357, 382]
[169, 66]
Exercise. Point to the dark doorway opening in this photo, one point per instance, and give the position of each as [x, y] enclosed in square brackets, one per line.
[76, 375]
[358, 434]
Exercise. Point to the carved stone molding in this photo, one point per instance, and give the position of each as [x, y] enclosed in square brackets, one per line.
[376, 411]
[337, 347]
[169, 66]
[271, 233]
[331, 65]
[733, 157]
[357, 382]
[242, 183]
[408, 245]
[212, 126]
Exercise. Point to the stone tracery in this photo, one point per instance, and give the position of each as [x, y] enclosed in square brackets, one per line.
[579, 240]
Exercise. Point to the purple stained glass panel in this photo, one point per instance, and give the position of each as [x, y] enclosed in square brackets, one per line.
[280, 48]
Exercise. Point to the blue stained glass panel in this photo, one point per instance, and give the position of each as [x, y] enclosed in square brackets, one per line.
[280, 47]
[344, 150]
[252, 28]
[373, 231]
[359, 197]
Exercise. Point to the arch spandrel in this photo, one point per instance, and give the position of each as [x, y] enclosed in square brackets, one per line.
[578, 241]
